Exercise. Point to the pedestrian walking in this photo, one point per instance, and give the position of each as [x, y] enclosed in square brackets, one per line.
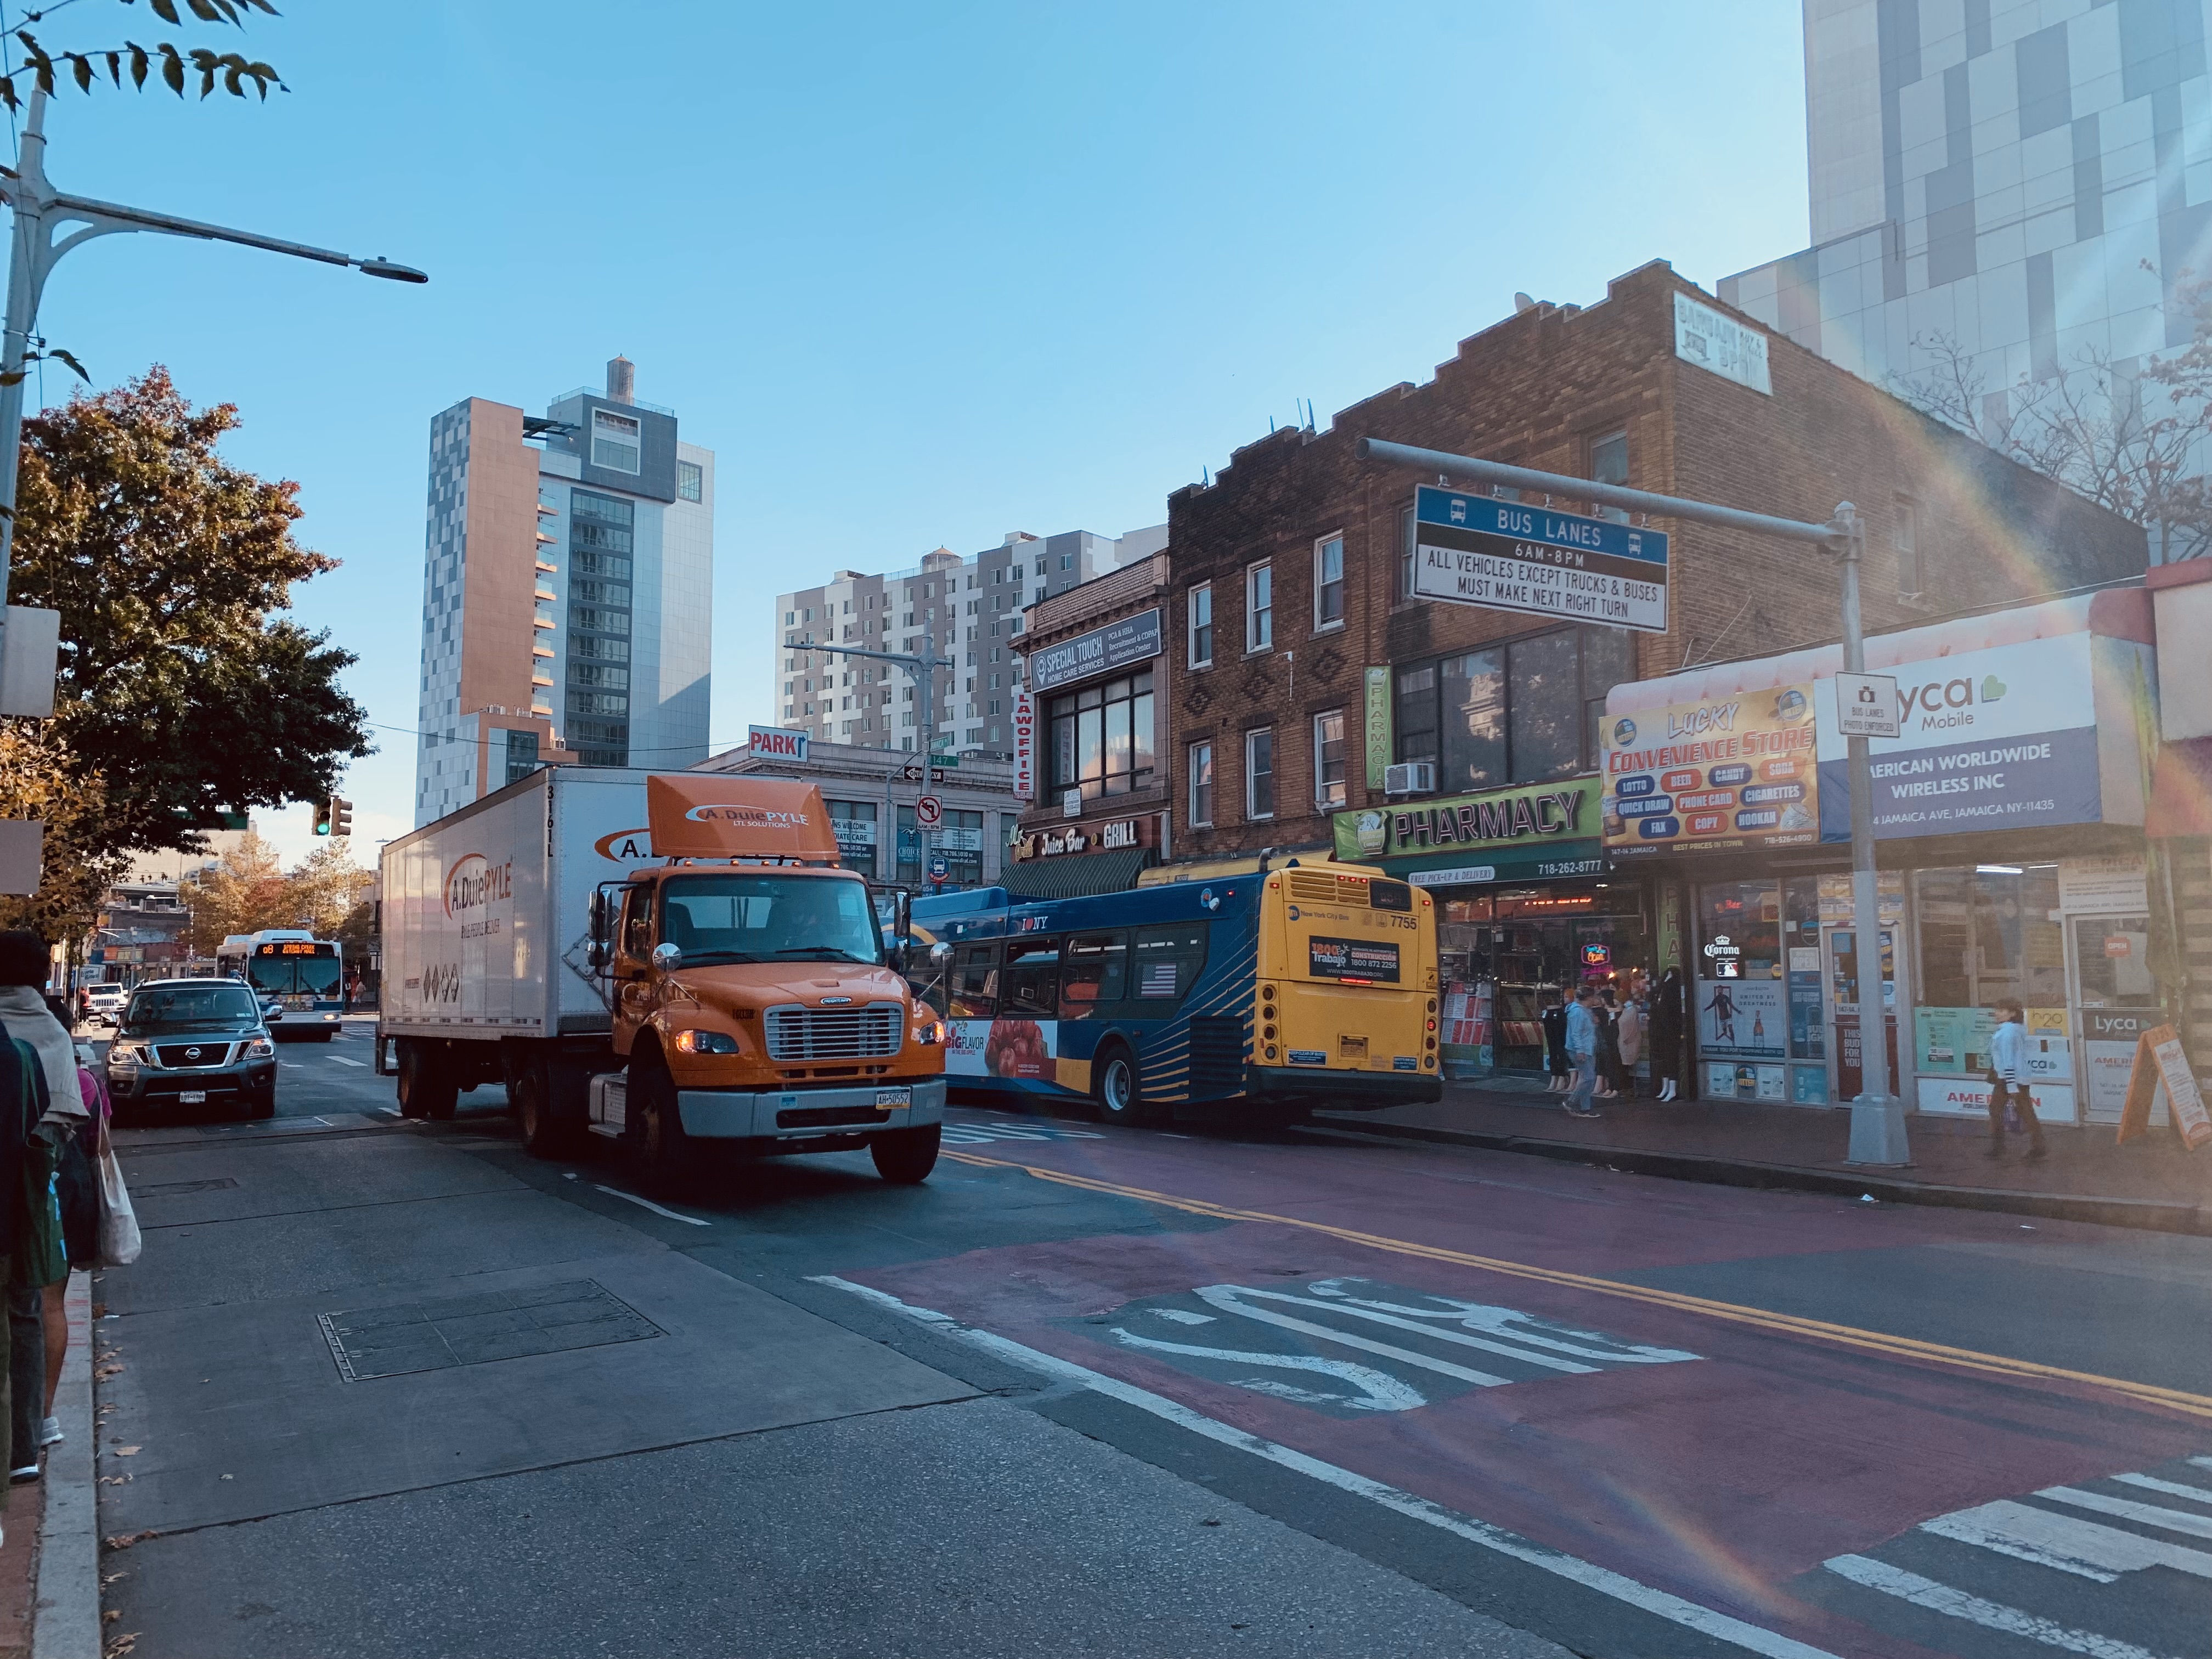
[1608, 1044]
[1582, 1053]
[1664, 1035]
[1554, 1021]
[1628, 1029]
[2007, 1049]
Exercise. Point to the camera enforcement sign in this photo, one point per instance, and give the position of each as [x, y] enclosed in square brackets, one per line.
[1510, 556]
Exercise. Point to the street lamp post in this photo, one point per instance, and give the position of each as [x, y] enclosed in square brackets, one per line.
[922, 665]
[1878, 1135]
[40, 211]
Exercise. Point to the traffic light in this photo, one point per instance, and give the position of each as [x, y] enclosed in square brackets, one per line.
[323, 816]
[340, 816]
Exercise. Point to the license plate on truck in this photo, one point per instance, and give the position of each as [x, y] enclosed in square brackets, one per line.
[887, 1099]
[192, 1098]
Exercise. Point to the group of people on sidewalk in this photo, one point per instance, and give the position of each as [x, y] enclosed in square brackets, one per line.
[1597, 1039]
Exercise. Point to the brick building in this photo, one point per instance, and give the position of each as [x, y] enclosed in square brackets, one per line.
[1299, 666]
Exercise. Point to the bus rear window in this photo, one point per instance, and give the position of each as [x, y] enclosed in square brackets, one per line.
[1389, 896]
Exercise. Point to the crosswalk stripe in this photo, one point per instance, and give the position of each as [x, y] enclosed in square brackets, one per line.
[2197, 1494]
[1991, 1615]
[340, 1060]
[2084, 1548]
[2155, 1514]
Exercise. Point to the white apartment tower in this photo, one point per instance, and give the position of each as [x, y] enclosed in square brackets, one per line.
[567, 592]
[971, 606]
[2026, 179]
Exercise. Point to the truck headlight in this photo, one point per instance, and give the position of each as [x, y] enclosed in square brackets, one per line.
[929, 1031]
[705, 1042]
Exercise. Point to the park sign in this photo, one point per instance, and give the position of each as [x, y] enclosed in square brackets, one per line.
[1477, 550]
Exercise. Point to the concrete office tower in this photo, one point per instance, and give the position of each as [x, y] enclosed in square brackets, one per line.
[2028, 178]
[568, 593]
[973, 606]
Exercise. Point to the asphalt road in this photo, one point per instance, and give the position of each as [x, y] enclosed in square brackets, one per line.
[399, 1388]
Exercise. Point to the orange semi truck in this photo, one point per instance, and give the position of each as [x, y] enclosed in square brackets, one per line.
[672, 961]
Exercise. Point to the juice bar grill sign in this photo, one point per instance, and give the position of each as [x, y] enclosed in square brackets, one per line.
[1500, 817]
[1721, 775]
[1508, 556]
[1353, 961]
[1118, 645]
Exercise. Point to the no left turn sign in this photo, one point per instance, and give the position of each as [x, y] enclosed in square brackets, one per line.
[929, 812]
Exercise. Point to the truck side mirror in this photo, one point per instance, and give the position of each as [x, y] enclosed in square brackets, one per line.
[939, 954]
[667, 957]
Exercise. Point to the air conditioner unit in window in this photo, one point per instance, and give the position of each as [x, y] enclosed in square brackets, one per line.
[1410, 778]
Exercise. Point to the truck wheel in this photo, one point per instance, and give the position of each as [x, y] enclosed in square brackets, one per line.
[1115, 1089]
[905, 1157]
[426, 1081]
[543, 1135]
[665, 1151]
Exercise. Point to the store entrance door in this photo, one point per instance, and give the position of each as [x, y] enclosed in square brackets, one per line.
[1840, 950]
[2115, 1001]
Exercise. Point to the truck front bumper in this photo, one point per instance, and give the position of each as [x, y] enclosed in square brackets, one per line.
[797, 1115]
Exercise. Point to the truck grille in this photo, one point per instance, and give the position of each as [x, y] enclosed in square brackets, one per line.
[835, 1033]
[180, 1054]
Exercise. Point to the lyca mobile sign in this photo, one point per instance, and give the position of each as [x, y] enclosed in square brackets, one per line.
[1507, 555]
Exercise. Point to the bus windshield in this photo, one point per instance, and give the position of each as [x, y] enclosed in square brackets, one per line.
[749, 918]
[306, 970]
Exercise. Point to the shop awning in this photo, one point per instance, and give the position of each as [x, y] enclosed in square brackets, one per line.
[2181, 790]
[1079, 877]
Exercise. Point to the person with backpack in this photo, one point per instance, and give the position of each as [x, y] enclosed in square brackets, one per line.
[2008, 1055]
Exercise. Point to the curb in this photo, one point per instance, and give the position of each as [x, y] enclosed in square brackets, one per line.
[2150, 1215]
[66, 1621]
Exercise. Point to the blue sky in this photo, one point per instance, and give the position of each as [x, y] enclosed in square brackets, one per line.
[919, 275]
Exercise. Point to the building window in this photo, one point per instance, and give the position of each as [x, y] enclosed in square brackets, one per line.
[615, 442]
[1201, 783]
[1407, 541]
[1328, 582]
[1904, 532]
[1608, 463]
[1329, 758]
[521, 755]
[1260, 772]
[1199, 608]
[1102, 738]
[1259, 607]
[690, 481]
[1520, 713]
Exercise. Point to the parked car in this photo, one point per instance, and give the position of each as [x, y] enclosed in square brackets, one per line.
[192, 1042]
[103, 1003]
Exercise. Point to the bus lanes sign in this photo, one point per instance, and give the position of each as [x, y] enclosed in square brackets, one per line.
[1495, 555]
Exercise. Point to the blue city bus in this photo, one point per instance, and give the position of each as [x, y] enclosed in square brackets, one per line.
[1276, 991]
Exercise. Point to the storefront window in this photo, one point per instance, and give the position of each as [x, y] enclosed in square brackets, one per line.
[1521, 713]
[1740, 996]
[1529, 946]
[1986, 933]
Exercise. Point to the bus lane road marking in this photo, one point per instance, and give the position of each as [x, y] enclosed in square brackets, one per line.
[1662, 1604]
[1896, 1347]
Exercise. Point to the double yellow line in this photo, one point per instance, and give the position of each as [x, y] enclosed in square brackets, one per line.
[1848, 1336]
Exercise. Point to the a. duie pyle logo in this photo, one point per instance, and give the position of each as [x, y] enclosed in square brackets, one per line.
[474, 881]
[749, 817]
[625, 846]
[1943, 704]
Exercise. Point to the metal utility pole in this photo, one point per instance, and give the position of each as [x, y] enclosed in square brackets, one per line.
[1878, 1135]
[922, 665]
[40, 211]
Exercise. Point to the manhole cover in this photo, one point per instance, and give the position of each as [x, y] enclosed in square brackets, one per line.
[172, 1188]
[469, 1330]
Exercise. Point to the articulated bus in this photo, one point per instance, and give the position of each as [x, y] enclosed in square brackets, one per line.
[304, 974]
[1278, 990]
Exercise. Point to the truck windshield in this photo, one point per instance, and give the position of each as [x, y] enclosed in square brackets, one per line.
[767, 918]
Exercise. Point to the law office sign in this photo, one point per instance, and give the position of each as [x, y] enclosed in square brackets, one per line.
[1495, 554]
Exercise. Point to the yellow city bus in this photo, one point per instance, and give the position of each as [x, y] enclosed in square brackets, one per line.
[1302, 985]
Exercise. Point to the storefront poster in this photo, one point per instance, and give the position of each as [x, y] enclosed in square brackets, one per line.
[1952, 1042]
[1729, 1081]
[1712, 777]
[1969, 1096]
[2000, 738]
[2103, 886]
[1747, 1019]
[1008, 1047]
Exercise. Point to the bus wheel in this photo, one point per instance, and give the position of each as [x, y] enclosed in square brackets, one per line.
[1115, 1089]
[426, 1081]
[905, 1157]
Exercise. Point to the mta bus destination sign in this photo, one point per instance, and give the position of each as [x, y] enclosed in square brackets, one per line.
[1508, 555]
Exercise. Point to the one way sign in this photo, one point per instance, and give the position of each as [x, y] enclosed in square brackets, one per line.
[1867, 706]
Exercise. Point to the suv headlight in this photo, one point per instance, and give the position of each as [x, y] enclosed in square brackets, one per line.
[260, 1049]
[128, 1054]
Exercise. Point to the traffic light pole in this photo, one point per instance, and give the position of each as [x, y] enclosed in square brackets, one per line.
[1878, 1135]
[922, 665]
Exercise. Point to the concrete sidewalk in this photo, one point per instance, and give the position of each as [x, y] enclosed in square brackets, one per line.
[2150, 1182]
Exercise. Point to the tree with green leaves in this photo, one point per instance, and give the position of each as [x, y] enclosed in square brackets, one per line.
[41, 779]
[45, 67]
[182, 684]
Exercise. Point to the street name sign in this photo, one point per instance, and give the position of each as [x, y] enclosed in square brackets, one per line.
[1867, 706]
[1478, 551]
